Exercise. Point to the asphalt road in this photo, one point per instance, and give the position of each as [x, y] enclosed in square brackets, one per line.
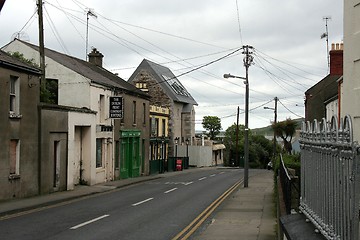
[157, 209]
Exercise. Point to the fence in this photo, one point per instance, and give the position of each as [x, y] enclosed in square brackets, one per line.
[330, 178]
[289, 186]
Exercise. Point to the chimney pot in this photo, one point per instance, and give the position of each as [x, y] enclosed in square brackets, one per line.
[336, 59]
[95, 57]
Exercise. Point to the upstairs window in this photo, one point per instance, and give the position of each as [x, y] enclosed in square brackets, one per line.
[134, 112]
[14, 95]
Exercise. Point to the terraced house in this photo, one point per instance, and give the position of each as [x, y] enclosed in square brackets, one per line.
[109, 139]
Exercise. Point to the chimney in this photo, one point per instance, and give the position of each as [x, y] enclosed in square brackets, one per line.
[336, 59]
[95, 57]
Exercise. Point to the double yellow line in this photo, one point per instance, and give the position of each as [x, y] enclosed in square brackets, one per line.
[196, 223]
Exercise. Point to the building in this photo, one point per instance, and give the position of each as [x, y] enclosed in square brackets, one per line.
[112, 143]
[19, 154]
[350, 91]
[322, 99]
[159, 138]
[167, 91]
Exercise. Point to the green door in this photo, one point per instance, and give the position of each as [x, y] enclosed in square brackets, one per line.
[130, 153]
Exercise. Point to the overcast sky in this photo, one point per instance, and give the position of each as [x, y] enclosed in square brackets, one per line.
[289, 56]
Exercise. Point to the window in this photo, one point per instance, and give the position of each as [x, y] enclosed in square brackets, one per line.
[14, 157]
[99, 152]
[134, 112]
[102, 108]
[14, 95]
[144, 113]
[156, 127]
[163, 127]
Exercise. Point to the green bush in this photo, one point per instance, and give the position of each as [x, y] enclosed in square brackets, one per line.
[290, 161]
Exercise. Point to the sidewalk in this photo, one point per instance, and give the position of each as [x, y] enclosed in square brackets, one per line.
[247, 214]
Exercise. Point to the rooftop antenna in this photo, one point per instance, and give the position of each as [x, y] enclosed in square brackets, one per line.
[326, 35]
[90, 12]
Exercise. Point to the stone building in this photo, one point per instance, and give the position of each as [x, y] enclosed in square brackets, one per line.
[166, 90]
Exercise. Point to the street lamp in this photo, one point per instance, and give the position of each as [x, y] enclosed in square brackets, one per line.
[248, 59]
[246, 135]
[176, 143]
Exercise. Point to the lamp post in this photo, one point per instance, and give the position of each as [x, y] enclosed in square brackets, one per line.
[176, 143]
[246, 135]
[187, 147]
[275, 120]
[247, 62]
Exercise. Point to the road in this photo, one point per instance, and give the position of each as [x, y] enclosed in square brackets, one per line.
[157, 209]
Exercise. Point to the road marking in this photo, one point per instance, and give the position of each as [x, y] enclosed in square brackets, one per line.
[222, 173]
[212, 175]
[196, 223]
[168, 191]
[188, 183]
[88, 222]
[138, 203]
[200, 179]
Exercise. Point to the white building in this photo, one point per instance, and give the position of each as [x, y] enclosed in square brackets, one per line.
[351, 82]
[81, 84]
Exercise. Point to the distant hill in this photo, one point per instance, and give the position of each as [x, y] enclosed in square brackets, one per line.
[267, 131]
[264, 131]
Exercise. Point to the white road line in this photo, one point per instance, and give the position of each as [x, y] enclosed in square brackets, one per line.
[212, 175]
[168, 191]
[188, 183]
[138, 203]
[88, 222]
[200, 179]
[222, 173]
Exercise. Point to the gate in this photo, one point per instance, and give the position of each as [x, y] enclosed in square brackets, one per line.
[330, 178]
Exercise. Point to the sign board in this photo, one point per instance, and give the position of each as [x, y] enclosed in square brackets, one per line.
[116, 107]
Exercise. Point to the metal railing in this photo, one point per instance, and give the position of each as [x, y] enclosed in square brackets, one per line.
[330, 178]
[289, 186]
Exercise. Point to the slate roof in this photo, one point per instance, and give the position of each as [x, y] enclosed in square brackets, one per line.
[8, 61]
[318, 95]
[95, 73]
[167, 80]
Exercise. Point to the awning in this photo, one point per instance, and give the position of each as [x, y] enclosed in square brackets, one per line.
[218, 147]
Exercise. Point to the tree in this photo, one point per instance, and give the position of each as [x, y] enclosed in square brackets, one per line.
[213, 125]
[48, 90]
[285, 130]
[260, 148]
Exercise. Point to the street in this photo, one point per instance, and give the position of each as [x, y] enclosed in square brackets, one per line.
[157, 209]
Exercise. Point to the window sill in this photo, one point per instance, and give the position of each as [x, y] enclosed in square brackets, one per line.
[13, 115]
[14, 176]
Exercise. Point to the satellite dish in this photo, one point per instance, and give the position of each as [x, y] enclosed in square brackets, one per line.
[21, 36]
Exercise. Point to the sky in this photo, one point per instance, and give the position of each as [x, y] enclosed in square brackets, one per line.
[202, 37]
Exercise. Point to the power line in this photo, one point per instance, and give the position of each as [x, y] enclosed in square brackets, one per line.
[289, 109]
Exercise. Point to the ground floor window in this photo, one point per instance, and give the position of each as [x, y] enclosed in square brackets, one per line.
[99, 152]
[14, 157]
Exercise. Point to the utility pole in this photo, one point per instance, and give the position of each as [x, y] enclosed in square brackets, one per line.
[248, 59]
[41, 42]
[237, 137]
[275, 121]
